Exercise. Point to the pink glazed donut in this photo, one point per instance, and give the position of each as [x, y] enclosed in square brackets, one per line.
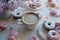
[31, 5]
[52, 35]
[34, 38]
[57, 24]
[58, 29]
[52, 4]
[53, 12]
[49, 0]
[13, 33]
[11, 38]
[3, 26]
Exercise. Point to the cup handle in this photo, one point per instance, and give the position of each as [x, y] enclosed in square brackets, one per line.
[19, 21]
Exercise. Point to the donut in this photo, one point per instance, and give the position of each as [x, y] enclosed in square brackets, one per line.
[52, 4]
[11, 38]
[58, 29]
[32, 6]
[13, 33]
[34, 38]
[16, 13]
[57, 24]
[49, 25]
[3, 26]
[4, 0]
[52, 35]
[53, 12]
[58, 15]
[49, 0]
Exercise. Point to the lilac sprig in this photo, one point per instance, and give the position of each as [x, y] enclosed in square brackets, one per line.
[6, 4]
[2, 5]
[4, 0]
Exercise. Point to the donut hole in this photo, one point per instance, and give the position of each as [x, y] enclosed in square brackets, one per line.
[49, 24]
[17, 13]
[33, 5]
[53, 33]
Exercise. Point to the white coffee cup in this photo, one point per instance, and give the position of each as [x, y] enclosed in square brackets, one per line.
[30, 19]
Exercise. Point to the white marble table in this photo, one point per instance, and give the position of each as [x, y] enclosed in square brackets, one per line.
[25, 34]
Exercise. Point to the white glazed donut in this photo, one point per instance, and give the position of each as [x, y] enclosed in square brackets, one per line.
[49, 25]
[17, 13]
[52, 35]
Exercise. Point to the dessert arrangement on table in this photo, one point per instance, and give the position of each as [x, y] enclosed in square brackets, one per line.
[35, 16]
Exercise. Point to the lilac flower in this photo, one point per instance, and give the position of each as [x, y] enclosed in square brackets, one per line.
[2, 0]
[12, 5]
[1, 6]
[7, 4]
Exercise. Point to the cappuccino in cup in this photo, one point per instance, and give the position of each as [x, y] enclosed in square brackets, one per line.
[30, 19]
